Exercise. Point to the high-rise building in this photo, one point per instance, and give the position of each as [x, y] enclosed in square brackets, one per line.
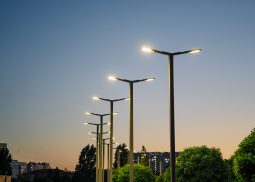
[3, 145]
[158, 161]
[33, 166]
[15, 168]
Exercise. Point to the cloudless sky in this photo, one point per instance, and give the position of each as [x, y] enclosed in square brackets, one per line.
[56, 55]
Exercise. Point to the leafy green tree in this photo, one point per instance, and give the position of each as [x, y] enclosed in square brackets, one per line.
[141, 174]
[230, 173]
[144, 157]
[121, 156]
[199, 164]
[244, 159]
[5, 162]
[85, 169]
[159, 178]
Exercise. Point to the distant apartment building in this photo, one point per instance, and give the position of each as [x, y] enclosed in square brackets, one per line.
[19, 168]
[15, 168]
[34, 166]
[158, 161]
[3, 145]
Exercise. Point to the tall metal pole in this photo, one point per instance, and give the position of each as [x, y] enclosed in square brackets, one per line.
[131, 134]
[103, 158]
[111, 142]
[108, 163]
[100, 149]
[97, 151]
[171, 117]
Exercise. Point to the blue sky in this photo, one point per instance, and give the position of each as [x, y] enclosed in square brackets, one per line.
[56, 55]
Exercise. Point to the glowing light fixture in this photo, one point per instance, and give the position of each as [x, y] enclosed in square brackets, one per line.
[147, 49]
[95, 98]
[195, 51]
[150, 79]
[113, 78]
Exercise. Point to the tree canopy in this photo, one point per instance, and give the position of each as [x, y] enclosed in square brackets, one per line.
[200, 164]
[85, 169]
[5, 162]
[141, 174]
[244, 159]
[144, 157]
[121, 156]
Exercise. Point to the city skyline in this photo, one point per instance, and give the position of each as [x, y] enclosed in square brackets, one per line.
[56, 56]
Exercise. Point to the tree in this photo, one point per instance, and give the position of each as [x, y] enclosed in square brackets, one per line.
[144, 157]
[121, 156]
[244, 159]
[230, 172]
[5, 162]
[85, 169]
[200, 164]
[141, 174]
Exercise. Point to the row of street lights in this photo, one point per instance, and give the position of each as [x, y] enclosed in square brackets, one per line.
[131, 112]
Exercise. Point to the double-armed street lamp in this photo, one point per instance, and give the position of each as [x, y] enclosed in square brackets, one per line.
[111, 101]
[100, 175]
[131, 133]
[171, 99]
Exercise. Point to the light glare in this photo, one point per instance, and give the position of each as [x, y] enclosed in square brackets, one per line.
[150, 79]
[112, 78]
[147, 49]
[195, 51]
[95, 98]
[87, 113]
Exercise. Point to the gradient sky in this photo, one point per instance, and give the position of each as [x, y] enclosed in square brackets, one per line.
[56, 55]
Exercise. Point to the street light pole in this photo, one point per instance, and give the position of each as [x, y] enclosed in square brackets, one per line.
[111, 101]
[171, 101]
[100, 175]
[131, 122]
[97, 155]
[171, 116]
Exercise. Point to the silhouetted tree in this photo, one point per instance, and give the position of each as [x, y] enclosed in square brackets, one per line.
[85, 169]
[121, 156]
[5, 162]
[46, 175]
[244, 159]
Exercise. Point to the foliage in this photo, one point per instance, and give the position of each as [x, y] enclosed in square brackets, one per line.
[244, 159]
[121, 156]
[85, 169]
[141, 174]
[230, 173]
[159, 178]
[5, 162]
[144, 157]
[199, 164]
